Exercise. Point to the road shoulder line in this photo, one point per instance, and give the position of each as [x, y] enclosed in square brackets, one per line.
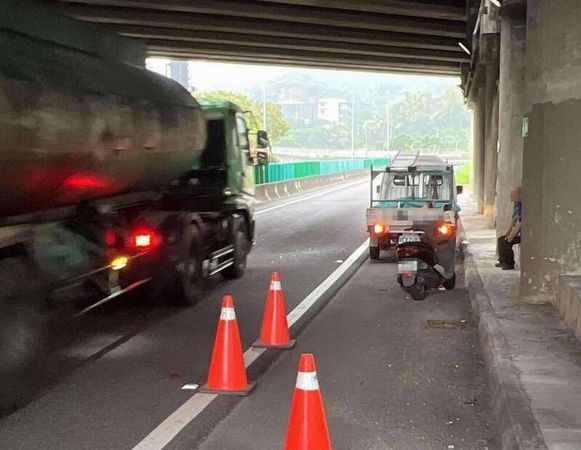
[165, 432]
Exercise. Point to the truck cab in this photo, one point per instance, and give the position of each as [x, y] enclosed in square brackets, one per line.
[227, 148]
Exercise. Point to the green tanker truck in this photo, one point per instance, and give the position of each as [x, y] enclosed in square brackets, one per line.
[112, 178]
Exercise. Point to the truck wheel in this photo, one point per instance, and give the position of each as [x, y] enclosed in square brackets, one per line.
[241, 247]
[187, 287]
[450, 284]
[20, 333]
[418, 291]
[374, 253]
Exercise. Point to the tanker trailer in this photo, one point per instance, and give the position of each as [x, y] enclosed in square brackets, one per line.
[112, 179]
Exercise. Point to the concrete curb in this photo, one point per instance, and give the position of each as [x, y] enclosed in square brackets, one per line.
[519, 430]
[274, 191]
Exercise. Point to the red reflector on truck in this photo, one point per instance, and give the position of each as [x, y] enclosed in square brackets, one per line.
[111, 238]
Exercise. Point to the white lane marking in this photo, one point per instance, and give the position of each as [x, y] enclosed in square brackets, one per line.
[170, 427]
[181, 417]
[312, 298]
[303, 199]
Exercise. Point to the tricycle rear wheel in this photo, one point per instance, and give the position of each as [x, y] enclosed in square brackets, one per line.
[374, 253]
[450, 284]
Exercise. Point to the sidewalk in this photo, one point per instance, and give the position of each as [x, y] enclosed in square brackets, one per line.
[533, 359]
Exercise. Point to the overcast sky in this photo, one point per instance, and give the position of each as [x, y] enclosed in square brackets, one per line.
[206, 76]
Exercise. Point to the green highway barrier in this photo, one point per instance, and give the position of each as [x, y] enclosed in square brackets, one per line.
[273, 173]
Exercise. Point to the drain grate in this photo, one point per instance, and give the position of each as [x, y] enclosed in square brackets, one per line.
[450, 324]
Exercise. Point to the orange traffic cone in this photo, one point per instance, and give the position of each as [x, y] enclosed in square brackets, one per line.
[307, 428]
[227, 371]
[275, 332]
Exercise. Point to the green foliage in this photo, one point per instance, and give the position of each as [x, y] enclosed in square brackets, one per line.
[320, 134]
[431, 123]
[277, 126]
[424, 114]
[403, 142]
[463, 175]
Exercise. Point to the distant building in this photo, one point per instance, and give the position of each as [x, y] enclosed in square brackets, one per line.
[335, 110]
[298, 112]
[177, 70]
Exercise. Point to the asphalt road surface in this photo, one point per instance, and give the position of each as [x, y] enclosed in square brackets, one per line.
[390, 380]
[394, 373]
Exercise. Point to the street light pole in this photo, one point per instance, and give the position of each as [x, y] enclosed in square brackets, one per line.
[353, 127]
[387, 129]
[264, 110]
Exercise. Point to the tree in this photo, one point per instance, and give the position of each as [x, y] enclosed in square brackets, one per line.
[322, 134]
[278, 126]
[403, 142]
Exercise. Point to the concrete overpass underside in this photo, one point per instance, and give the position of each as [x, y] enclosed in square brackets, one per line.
[410, 36]
[521, 80]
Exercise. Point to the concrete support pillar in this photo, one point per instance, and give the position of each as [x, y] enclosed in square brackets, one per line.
[551, 156]
[491, 140]
[512, 91]
[478, 150]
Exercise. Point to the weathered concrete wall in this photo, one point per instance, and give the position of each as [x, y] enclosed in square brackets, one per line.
[511, 111]
[552, 155]
[491, 140]
[478, 150]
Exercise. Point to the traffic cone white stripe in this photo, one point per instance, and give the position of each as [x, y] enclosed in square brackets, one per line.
[307, 381]
[227, 314]
[275, 286]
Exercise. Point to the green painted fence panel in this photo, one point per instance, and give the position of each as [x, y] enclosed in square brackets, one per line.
[274, 173]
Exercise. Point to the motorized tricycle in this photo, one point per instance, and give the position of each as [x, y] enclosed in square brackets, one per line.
[413, 207]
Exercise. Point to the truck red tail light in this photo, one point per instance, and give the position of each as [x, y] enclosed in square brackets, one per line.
[87, 181]
[145, 238]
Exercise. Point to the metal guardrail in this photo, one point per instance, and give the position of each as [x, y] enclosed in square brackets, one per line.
[274, 173]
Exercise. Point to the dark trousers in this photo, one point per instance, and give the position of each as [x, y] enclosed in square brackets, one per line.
[505, 253]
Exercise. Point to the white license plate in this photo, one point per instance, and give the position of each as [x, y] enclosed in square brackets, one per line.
[409, 237]
[407, 266]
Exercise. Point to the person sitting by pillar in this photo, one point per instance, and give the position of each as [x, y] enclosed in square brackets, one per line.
[512, 236]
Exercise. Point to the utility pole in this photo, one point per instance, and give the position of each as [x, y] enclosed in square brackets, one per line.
[353, 127]
[387, 129]
[264, 110]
